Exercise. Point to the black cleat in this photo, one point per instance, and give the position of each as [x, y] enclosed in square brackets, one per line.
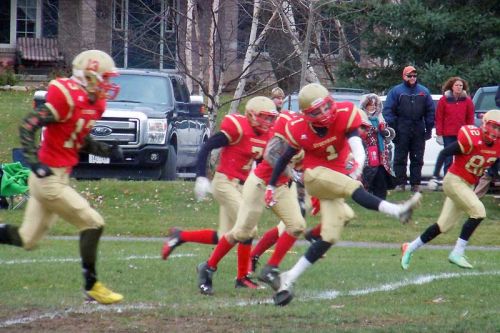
[205, 274]
[271, 276]
[282, 297]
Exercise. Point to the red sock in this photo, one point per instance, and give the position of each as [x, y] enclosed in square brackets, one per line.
[316, 231]
[222, 248]
[206, 236]
[243, 259]
[285, 243]
[267, 240]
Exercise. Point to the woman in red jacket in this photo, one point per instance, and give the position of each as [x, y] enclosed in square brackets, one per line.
[454, 110]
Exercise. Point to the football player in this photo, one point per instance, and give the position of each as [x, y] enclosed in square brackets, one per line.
[242, 139]
[72, 107]
[476, 150]
[327, 131]
[251, 208]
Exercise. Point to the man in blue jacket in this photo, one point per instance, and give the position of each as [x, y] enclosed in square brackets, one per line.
[409, 109]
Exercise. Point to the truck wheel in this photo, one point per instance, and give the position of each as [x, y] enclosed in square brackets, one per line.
[169, 169]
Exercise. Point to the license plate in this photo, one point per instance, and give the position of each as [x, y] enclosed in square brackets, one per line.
[98, 159]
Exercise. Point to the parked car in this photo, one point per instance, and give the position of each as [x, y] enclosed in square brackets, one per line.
[159, 126]
[291, 102]
[484, 100]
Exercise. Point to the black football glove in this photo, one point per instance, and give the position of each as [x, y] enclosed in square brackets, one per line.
[428, 135]
[41, 170]
[116, 152]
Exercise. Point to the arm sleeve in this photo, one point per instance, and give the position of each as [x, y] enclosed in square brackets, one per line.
[450, 150]
[439, 115]
[389, 107]
[429, 113]
[469, 117]
[218, 140]
[357, 149]
[281, 164]
[35, 120]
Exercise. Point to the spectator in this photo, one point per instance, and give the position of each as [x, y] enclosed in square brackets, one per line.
[409, 109]
[378, 176]
[278, 95]
[454, 110]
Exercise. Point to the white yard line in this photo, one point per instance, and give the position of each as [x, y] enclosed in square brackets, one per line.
[324, 295]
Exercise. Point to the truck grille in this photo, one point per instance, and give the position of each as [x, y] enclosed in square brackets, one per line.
[110, 130]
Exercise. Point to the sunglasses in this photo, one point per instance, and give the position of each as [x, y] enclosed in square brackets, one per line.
[411, 76]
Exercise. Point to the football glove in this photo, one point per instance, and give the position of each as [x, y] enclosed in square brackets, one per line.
[269, 196]
[315, 206]
[41, 170]
[433, 184]
[439, 140]
[202, 187]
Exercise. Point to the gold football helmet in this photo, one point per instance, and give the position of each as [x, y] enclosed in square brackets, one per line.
[317, 105]
[491, 125]
[261, 113]
[93, 69]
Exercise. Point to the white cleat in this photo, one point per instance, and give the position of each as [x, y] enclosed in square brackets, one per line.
[408, 206]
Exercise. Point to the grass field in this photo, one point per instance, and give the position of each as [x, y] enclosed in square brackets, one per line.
[357, 287]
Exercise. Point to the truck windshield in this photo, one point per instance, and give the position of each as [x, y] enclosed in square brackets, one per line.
[143, 89]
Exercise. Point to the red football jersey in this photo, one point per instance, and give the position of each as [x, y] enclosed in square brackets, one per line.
[264, 170]
[245, 146]
[75, 117]
[476, 156]
[331, 150]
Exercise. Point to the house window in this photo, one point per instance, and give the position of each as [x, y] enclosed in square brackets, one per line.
[26, 22]
[5, 22]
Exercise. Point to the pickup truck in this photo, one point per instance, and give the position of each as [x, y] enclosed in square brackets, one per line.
[159, 126]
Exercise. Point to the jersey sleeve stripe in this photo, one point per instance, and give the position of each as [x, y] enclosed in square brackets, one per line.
[53, 110]
[67, 95]
[238, 127]
[292, 141]
[352, 117]
[469, 143]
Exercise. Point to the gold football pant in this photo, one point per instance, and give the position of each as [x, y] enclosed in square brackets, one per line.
[227, 192]
[331, 187]
[52, 197]
[287, 209]
[460, 198]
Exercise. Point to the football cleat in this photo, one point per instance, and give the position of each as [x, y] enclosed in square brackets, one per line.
[246, 282]
[405, 256]
[205, 275]
[271, 276]
[255, 263]
[173, 240]
[100, 294]
[282, 297]
[408, 206]
[460, 261]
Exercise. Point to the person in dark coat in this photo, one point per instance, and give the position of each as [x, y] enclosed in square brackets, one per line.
[409, 109]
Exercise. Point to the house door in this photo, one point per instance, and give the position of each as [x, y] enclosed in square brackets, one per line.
[144, 34]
